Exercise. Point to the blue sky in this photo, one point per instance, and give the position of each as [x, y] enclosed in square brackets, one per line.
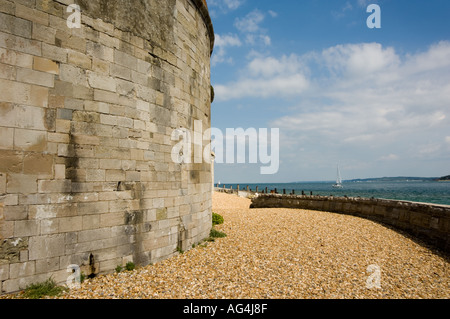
[374, 101]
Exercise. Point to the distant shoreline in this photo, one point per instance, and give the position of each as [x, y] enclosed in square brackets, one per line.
[396, 179]
[375, 179]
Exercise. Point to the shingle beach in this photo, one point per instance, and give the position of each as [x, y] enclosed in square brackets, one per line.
[284, 254]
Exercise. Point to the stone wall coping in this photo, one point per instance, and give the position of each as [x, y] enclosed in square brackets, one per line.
[357, 199]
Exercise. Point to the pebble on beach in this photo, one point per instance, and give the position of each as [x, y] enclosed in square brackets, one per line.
[286, 254]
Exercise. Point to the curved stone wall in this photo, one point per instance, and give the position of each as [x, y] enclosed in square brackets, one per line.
[428, 222]
[86, 120]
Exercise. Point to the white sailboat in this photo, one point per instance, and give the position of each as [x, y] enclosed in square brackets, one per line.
[338, 180]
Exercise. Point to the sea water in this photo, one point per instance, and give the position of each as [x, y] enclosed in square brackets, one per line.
[415, 191]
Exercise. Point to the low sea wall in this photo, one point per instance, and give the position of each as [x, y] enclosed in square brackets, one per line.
[246, 194]
[429, 222]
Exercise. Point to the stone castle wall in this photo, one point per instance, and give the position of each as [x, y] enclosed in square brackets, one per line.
[86, 119]
[428, 222]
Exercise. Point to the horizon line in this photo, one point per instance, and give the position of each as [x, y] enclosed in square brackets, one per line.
[332, 181]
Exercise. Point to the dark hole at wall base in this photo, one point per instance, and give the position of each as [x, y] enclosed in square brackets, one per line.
[92, 267]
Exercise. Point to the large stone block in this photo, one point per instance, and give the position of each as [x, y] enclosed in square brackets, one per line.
[11, 161]
[44, 33]
[70, 224]
[21, 184]
[69, 40]
[99, 51]
[2, 185]
[112, 219]
[7, 7]
[16, 26]
[20, 44]
[91, 222]
[72, 74]
[49, 227]
[25, 228]
[125, 60]
[30, 117]
[54, 53]
[30, 140]
[38, 164]
[45, 65]
[54, 186]
[92, 235]
[119, 71]
[79, 59]
[14, 58]
[14, 92]
[4, 272]
[38, 96]
[19, 270]
[47, 265]
[420, 219]
[90, 208]
[43, 247]
[30, 14]
[100, 66]
[7, 138]
[113, 175]
[95, 175]
[98, 81]
[105, 96]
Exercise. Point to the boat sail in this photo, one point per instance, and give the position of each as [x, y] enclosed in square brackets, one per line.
[338, 180]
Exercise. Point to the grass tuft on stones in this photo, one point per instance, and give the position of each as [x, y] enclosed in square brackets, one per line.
[214, 233]
[130, 266]
[43, 289]
[217, 219]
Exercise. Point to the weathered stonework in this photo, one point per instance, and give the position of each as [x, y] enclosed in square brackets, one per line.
[428, 222]
[86, 117]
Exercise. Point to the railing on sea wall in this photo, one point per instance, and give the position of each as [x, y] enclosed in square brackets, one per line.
[251, 192]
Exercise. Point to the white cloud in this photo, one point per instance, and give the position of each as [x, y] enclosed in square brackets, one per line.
[370, 101]
[266, 77]
[390, 157]
[263, 88]
[233, 4]
[363, 99]
[273, 14]
[429, 149]
[225, 5]
[222, 43]
[269, 66]
[250, 26]
[227, 40]
[436, 58]
[359, 60]
[353, 76]
[266, 39]
[253, 39]
[342, 12]
[364, 3]
[251, 22]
